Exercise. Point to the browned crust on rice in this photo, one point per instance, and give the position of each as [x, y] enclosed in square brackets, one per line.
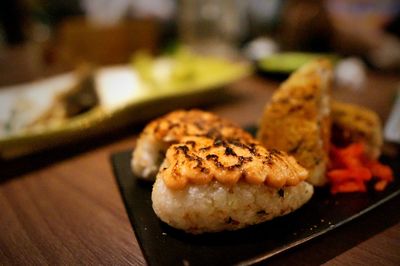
[159, 134]
[178, 124]
[297, 119]
[199, 160]
[352, 123]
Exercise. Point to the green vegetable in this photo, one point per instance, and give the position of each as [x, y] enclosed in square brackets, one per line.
[290, 61]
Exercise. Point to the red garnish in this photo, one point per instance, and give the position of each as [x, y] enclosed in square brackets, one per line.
[350, 170]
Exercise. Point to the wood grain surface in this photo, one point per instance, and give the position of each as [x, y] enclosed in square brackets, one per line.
[63, 207]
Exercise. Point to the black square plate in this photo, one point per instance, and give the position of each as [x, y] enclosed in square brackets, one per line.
[163, 245]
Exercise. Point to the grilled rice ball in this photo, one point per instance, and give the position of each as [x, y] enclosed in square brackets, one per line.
[353, 123]
[297, 119]
[210, 185]
[159, 134]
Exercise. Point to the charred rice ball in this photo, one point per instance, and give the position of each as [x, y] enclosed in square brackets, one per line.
[159, 134]
[210, 185]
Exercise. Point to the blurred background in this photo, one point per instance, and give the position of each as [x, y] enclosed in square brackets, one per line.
[40, 37]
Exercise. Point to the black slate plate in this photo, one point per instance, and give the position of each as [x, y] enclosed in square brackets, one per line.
[163, 245]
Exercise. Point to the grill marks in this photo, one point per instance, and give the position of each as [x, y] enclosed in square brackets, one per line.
[229, 151]
[179, 124]
[223, 159]
[241, 161]
[199, 124]
[185, 150]
[251, 147]
[191, 143]
[172, 125]
[199, 160]
[201, 147]
[214, 158]
[271, 156]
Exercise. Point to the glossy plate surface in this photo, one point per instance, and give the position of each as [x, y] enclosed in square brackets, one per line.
[163, 245]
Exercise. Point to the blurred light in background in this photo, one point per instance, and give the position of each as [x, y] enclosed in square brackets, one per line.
[109, 32]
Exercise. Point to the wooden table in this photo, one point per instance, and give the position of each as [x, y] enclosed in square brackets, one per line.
[63, 206]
